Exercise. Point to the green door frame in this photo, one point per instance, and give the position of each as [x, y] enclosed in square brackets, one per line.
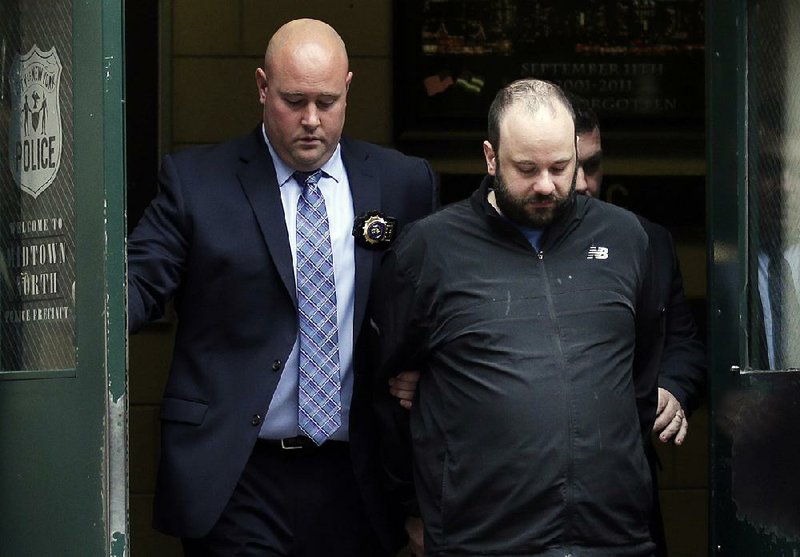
[726, 202]
[115, 274]
[63, 433]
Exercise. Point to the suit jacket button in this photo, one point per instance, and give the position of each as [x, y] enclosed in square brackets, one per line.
[276, 365]
[256, 419]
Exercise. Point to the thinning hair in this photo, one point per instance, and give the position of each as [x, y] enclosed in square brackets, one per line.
[534, 94]
[585, 117]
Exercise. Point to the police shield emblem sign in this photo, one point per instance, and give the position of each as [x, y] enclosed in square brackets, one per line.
[36, 133]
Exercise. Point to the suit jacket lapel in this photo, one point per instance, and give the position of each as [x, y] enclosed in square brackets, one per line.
[257, 176]
[366, 191]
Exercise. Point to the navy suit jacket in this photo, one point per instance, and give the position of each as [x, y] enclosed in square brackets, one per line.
[215, 241]
[675, 349]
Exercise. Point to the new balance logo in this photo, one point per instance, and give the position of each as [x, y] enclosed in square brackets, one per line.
[597, 253]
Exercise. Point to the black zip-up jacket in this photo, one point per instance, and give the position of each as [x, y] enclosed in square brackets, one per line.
[529, 424]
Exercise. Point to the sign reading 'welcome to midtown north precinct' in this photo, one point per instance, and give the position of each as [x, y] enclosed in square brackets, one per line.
[37, 194]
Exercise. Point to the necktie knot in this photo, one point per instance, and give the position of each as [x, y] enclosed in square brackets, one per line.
[307, 179]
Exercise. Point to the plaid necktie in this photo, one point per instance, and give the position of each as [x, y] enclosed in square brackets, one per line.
[319, 413]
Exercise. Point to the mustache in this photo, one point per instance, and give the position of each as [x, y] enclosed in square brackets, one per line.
[538, 198]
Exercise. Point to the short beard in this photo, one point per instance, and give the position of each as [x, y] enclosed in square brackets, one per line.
[520, 210]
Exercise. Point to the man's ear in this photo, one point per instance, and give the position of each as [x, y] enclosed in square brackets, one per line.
[261, 83]
[491, 160]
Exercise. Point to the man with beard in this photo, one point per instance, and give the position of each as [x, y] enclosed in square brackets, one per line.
[523, 307]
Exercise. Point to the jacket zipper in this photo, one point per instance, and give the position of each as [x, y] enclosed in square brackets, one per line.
[568, 496]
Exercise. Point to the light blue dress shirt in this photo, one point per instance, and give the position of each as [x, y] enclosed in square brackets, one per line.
[792, 255]
[281, 419]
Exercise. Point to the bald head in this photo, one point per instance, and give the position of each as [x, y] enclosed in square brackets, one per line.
[303, 88]
[308, 38]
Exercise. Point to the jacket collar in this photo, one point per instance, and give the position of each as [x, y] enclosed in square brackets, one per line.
[365, 188]
[260, 184]
[576, 209]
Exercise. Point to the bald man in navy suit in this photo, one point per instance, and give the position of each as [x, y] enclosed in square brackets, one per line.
[237, 474]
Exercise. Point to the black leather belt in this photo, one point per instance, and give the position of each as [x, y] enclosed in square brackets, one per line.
[300, 442]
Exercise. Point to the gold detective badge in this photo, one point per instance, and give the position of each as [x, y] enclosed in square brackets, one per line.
[374, 230]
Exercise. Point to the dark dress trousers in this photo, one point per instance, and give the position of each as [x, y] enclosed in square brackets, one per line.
[215, 241]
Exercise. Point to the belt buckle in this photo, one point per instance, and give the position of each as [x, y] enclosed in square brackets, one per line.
[291, 443]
